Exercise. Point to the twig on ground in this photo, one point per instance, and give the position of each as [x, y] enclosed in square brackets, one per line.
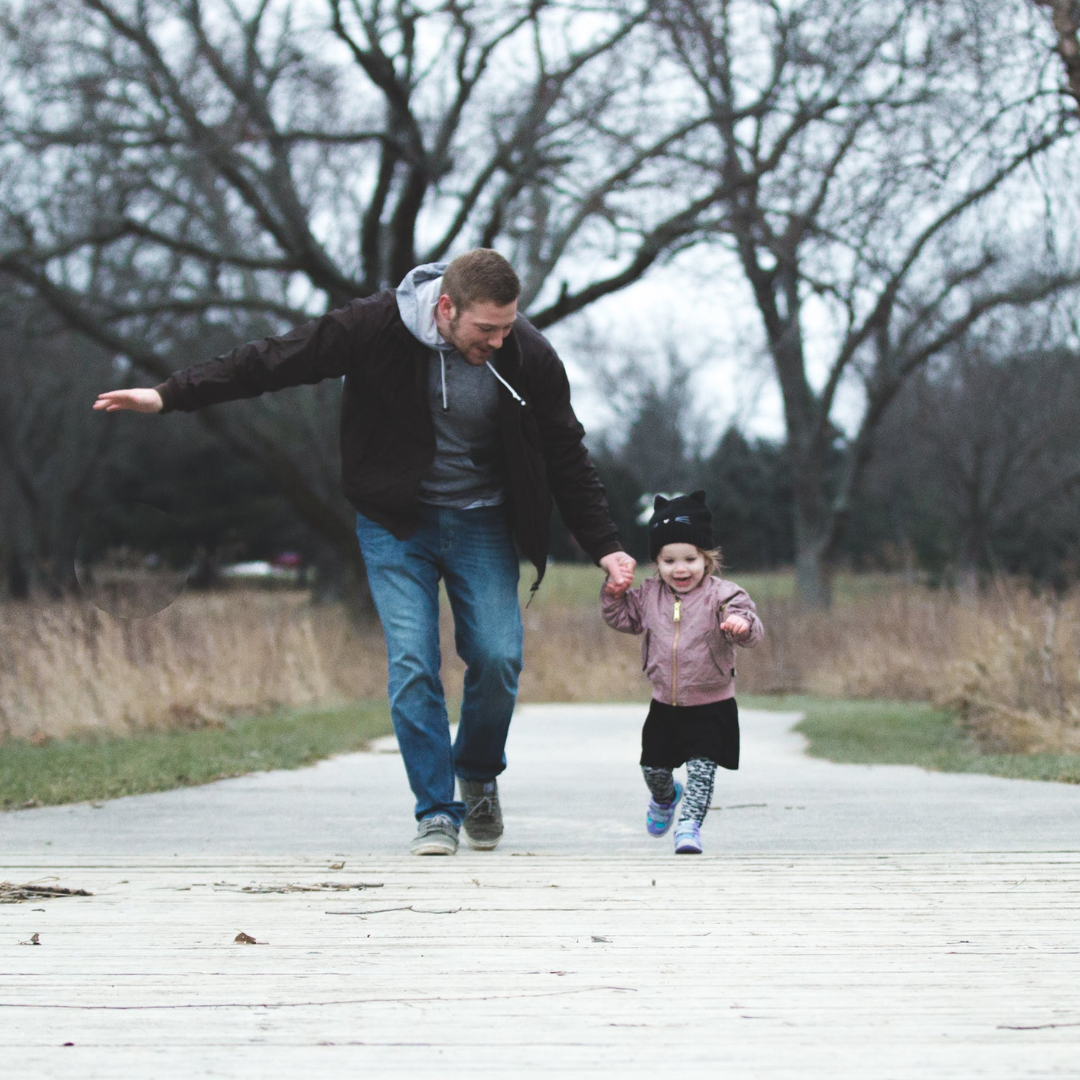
[10, 893]
[409, 907]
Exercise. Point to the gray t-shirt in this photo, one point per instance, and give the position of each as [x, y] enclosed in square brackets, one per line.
[467, 471]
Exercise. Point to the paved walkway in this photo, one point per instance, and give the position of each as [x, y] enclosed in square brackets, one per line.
[573, 787]
[846, 922]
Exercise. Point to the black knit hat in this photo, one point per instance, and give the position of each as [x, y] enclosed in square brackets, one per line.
[682, 520]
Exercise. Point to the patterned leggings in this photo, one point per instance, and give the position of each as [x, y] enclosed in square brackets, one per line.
[700, 774]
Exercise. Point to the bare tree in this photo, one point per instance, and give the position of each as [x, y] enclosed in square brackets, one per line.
[877, 155]
[1066, 19]
[984, 448]
[50, 450]
[176, 167]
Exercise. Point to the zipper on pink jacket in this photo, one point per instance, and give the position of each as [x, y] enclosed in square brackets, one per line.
[677, 616]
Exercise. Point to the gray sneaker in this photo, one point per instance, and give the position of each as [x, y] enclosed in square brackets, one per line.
[435, 835]
[483, 822]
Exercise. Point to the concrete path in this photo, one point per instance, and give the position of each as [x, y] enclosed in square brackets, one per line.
[846, 923]
[573, 787]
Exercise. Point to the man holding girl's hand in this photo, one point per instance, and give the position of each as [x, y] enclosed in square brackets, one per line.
[457, 435]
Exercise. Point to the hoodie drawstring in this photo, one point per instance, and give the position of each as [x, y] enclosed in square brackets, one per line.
[445, 401]
[513, 393]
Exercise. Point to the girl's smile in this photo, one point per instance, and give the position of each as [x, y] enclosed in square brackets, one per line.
[681, 567]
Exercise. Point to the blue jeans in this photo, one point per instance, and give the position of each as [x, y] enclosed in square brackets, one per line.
[472, 551]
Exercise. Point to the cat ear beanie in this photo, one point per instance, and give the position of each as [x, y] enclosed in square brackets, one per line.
[682, 520]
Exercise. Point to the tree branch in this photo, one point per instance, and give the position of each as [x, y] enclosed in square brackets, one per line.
[881, 314]
[254, 446]
[861, 448]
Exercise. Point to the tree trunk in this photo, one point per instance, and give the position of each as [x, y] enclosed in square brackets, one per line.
[1066, 18]
[813, 575]
[815, 519]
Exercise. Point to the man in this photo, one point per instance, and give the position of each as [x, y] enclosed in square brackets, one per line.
[456, 434]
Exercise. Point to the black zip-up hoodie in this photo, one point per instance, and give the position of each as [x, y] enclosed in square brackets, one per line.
[387, 434]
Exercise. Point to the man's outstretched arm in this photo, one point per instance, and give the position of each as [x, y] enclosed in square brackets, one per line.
[320, 349]
[135, 400]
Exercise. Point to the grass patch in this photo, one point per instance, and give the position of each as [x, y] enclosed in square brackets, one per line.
[79, 769]
[578, 584]
[907, 733]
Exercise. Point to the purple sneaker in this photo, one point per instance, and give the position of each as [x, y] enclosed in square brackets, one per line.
[660, 815]
[688, 838]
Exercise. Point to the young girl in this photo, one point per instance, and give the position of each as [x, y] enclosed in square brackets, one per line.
[692, 621]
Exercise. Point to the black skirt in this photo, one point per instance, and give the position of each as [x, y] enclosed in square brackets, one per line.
[673, 734]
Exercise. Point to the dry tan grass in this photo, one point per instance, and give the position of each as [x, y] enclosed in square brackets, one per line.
[570, 655]
[897, 644]
[1006, 660]
[66, 667]
[1015, 678]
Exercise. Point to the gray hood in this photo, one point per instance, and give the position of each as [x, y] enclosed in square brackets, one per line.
[416, 298]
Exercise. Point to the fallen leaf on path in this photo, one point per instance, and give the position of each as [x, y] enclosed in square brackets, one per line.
[35, 939]
[244, 939]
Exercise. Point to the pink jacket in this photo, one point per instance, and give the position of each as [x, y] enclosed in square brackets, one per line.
[689, 660]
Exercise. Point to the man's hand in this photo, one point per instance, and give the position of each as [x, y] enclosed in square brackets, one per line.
[620, 572]
[148, 401]
[737, 627]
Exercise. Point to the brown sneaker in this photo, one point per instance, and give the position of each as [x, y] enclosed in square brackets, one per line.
[483, 824]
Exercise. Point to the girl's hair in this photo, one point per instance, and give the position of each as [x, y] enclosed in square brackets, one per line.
[713, 557]
[714, 560]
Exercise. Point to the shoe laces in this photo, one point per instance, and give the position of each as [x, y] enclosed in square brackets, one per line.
[484, 805]
[436, 823]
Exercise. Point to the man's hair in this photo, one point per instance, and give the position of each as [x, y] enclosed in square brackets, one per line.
[480, 275]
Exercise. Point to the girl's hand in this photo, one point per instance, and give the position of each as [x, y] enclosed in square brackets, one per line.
[620, 572]
[613, 588]
[737, 627]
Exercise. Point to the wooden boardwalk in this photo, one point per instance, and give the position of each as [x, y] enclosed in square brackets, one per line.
[870, 966]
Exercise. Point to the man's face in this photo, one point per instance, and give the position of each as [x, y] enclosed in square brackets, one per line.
[476, 331]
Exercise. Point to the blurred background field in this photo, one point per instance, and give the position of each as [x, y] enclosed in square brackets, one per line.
[850, 317]
[1003, 660]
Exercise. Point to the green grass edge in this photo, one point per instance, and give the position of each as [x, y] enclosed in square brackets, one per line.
[869, 732]
[91, 769]
[882, 732]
